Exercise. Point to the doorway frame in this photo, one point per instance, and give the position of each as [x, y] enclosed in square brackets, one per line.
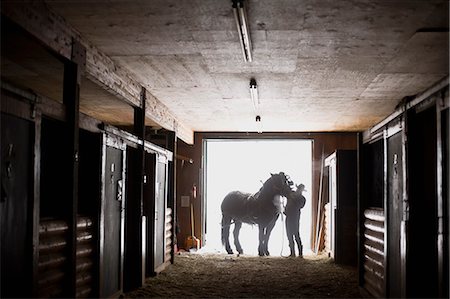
[202, 179]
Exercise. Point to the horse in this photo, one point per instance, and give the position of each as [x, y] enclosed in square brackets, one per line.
[261, 208]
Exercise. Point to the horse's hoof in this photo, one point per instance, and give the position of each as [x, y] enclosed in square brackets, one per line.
[230, 252]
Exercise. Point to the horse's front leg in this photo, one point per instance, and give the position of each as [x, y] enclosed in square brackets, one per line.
[261, 240]
[237, 228]
[226, 222]
[269, 229]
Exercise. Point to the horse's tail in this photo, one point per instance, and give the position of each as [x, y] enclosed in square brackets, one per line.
[225, 232]
[222, 230]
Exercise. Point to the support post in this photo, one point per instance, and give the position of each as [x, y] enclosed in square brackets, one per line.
[71, 100]
[134, 266]
[442, 201]
[36, 200]
[360, 209]
[139, 131]
[172, 198]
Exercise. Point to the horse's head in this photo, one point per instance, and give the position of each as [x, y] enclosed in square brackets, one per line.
[280, 183]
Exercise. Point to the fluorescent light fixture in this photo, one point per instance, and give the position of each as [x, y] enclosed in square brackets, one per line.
[255, 102]
[254, 94]
[240, 16]
[258, 124]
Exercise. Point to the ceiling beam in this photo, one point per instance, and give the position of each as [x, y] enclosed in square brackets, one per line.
[52, 30]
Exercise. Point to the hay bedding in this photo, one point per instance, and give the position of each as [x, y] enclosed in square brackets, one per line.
[231, 276]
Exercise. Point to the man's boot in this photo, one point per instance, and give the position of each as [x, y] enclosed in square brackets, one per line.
[291, 246]
[300, 250]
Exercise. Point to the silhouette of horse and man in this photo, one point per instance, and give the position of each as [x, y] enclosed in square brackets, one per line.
[263, 209]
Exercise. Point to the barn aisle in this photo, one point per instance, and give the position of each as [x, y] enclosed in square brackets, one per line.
[221, 275]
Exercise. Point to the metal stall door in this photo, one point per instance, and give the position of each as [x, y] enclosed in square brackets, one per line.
[160, 211]
[333, 206]
[394, 208]
[111, 242]
[15, 203]
[149, 208]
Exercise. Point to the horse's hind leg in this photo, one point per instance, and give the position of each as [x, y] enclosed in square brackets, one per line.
[226, 222]
[237, 228]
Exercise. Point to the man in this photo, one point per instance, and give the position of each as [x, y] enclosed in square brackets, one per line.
[295, 202]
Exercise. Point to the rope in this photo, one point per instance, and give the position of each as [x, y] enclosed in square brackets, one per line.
[282, 236]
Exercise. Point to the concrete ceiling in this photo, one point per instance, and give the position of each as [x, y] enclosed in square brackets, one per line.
[319, 65]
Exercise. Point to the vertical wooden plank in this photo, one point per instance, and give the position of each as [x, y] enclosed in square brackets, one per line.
[36, 199]
[440, 200]
[134, 266]
[386, 210]
[172, 194]
[405, 207]
[101, 221]
[139, 124]
[360, 210]
[71, 100]
[122, 216]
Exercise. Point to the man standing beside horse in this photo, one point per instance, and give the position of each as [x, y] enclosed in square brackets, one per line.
[295, 202]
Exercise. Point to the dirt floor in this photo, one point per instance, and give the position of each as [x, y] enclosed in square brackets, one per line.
[231, 276]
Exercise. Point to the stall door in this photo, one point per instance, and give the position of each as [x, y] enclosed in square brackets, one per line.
[394, 214]
[111, 281]
[333, 205]
[160, 211]
[149, 208]
[16, 198]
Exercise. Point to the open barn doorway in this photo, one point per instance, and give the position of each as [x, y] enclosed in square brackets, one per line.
[243, 165]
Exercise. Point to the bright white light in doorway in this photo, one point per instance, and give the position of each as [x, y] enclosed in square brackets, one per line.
[243, 165]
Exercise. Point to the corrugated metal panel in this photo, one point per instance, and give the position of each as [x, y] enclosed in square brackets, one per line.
[374, 251]
[168, 234]
[85, 257]
[53, 234]
[52, 257]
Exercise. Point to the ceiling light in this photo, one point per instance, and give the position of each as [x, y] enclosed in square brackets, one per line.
[255, 102]
[258, 124]
[240, 17]
[254, 94]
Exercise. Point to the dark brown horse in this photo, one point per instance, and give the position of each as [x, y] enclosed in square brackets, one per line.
[261, 208]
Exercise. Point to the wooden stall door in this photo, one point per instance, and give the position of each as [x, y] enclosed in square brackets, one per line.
[111, 281]
[16, 198]
[160, 211]
[394, 214]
